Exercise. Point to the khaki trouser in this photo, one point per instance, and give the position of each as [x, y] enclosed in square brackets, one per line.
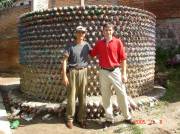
[107, 79]
[76, 89]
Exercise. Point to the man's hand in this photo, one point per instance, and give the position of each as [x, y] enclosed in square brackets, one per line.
[124, 78]
[65, 81]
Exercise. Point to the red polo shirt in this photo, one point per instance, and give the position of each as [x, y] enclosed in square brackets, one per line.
[109, 55]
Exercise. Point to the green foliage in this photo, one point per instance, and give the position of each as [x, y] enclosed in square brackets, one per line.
[173, 73]
[134, 129]
[162, 56]
[172, 85]
[6, 3]
[137, 130]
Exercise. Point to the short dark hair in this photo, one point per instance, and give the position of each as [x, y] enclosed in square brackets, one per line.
[108, 24]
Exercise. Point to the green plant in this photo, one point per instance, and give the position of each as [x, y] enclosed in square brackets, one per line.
[6, 3]
[162, 56]
[172, 85]
[133, 129]
[137, 130]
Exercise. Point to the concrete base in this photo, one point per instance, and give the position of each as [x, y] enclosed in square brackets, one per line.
[16, 97]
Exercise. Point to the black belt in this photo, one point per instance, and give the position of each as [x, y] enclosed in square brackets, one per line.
[110, 69]
[77, 68]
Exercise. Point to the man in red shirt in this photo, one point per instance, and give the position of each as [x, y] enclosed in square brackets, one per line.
[111, 54]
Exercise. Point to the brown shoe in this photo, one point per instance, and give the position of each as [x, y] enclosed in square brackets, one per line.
[69, 124]
[107, 124]
[135, 107]
[130, 121]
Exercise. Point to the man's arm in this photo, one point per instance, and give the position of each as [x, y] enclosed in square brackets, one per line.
[122, 60]
[64, 73]
[124, 68]
[93, 50]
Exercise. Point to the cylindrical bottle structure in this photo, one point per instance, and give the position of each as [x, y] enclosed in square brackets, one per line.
[45, 34]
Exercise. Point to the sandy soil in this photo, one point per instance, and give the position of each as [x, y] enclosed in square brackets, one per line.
[160, 119]
[163, 118]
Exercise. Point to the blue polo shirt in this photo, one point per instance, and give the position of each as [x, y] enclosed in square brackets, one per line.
[77, 54]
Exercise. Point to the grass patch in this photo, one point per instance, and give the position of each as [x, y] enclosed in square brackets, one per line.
[130, 129]
[172, 85]
[137, 130]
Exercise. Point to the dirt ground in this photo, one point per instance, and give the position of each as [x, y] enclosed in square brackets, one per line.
[163, 118]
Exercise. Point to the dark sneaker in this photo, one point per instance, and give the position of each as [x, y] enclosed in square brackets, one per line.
[135, 107]
[107, 124]
[83, 124]
[130, 121]
[69, 124]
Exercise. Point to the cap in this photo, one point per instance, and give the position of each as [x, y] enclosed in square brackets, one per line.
[81, 28]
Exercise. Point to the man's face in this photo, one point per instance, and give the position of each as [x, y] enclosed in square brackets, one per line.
[80, 35]
[108, 32]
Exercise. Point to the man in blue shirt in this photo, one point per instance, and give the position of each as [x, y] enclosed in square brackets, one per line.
[76, 60]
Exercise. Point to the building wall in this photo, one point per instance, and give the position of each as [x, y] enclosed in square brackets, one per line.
[9, 44]
[9, 55]
[161, 8]
[87, 2]
[22, 2]
[168, 34]
[101, 2]
[66, 3]
[167, 12]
